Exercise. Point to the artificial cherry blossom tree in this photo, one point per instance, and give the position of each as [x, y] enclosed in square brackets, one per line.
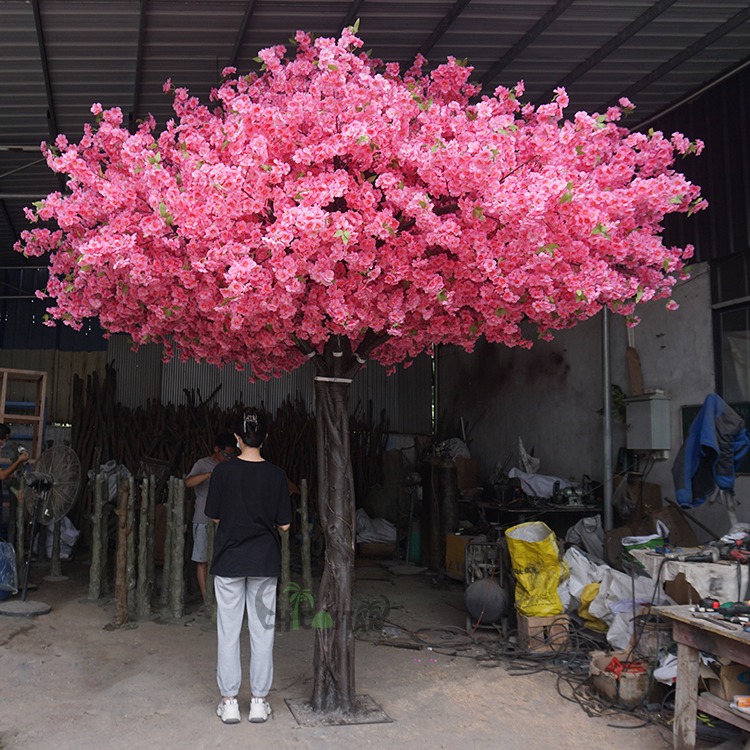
[336, 209]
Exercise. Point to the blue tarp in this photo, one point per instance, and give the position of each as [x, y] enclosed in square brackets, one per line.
[708, 459]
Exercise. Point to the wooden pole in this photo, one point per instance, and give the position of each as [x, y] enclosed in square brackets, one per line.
[19, 490]
[55, 569]
[177, 570]
[121, 593]
[95, 569]
[210, 600]
[167, 564]
[151, 539]
[143, 594]
[130, 555]
[283, 607]
[307, 582]
[103, 480]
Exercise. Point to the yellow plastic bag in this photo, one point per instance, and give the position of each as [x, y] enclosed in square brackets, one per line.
[537, 568]
[589, 593]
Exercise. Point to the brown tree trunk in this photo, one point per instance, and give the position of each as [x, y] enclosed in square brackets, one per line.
[333, 660]
[334, 639]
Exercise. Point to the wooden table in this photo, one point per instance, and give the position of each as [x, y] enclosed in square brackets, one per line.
[692, 636]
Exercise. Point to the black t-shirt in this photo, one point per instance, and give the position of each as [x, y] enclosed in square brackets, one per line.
[250, 499]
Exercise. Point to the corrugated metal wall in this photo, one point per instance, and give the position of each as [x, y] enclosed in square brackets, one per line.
[406, 396]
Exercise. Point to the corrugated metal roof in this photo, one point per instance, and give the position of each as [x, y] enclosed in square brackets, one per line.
[57, 57]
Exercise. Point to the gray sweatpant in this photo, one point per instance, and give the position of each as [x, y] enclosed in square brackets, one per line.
[234, 596]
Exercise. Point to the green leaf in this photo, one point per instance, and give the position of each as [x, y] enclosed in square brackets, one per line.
[258, 59]
[266, 167]
[500, 312]
[580, 295]
[676, 199]
[549, 248]
[168, 312]
[363, 139]
[600, 121]
[639, 294]
[331, 66]
[579, 149]
[423, 204]
[38, 205]
[322, 620]
[600, 229]
[477, 213]
[442, 295]
[355, 27]
[344, 234]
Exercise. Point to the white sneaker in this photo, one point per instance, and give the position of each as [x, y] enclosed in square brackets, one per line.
[229, 711]
[259, 710]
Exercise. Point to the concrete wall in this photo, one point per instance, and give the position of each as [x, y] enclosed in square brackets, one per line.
[552, 395]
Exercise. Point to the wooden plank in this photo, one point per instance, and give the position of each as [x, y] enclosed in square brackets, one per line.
[686, 697]
[715, 706]
[635, 374]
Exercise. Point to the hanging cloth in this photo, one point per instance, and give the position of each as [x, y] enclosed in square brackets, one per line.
[716, 443]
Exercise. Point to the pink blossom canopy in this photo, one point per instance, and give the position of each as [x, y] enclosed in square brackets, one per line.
[331, 195]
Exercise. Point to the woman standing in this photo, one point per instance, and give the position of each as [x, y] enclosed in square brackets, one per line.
[249, 500]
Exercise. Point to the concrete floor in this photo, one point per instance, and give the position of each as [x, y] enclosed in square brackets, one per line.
[68, 683]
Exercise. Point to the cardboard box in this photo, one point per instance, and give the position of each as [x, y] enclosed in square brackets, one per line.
[548, 633]
[455, 547]
[730, 680]
[467, 473]
[628, 688]
[680, 590]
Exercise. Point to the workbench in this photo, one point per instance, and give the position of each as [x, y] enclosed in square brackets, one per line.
[692, 636]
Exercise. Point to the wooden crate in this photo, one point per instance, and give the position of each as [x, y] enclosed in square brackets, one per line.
[543, 633]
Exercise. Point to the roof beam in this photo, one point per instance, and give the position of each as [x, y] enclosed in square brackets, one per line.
[697, 46]
[607, 49]
[443, 25]
[351, 15]
[138, 73]
[44, 63]
[240, 38]
[527, 39]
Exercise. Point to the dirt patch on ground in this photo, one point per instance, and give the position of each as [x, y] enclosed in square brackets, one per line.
[70, 684]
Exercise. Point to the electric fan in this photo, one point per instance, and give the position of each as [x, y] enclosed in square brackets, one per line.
[54, 484]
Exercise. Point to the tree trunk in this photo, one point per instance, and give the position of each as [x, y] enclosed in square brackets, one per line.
[333, 660]
[334, 640]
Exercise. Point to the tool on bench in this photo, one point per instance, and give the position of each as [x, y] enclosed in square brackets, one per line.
[715, 620]
[708, 554]
[739, 551]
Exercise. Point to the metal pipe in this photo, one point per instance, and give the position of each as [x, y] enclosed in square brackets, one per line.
[607, 397]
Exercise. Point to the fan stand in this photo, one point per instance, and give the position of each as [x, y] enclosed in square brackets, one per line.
[22, 607]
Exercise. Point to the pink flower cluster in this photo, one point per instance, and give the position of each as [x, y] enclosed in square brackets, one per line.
[330, 195]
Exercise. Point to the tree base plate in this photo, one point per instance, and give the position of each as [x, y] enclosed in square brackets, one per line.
[19, 608]
[366, 712]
